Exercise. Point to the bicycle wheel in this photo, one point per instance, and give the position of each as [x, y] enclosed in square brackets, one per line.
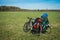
[26, 27]
[49, 30]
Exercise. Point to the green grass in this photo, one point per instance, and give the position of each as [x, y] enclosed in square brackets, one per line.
[11, 26]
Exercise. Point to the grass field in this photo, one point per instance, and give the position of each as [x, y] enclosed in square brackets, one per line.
[11, 26]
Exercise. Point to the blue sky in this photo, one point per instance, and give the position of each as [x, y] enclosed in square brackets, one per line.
[32, 4]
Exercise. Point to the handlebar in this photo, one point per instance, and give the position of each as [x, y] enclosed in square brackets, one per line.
[30, 18]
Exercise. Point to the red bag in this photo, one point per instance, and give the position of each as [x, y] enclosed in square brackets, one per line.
[37, 26]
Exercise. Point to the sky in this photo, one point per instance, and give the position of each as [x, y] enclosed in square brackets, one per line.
[32, 4]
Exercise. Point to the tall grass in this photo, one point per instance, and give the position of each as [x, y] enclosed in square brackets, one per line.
[11, 26]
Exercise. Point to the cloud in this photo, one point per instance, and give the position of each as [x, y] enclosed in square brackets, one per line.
[40, 6]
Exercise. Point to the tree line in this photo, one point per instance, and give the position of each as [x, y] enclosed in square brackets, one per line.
[13, 8]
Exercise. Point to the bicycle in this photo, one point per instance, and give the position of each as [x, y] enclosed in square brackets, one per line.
[28, 26]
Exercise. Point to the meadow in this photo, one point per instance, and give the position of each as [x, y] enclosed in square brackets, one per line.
[11, 26]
